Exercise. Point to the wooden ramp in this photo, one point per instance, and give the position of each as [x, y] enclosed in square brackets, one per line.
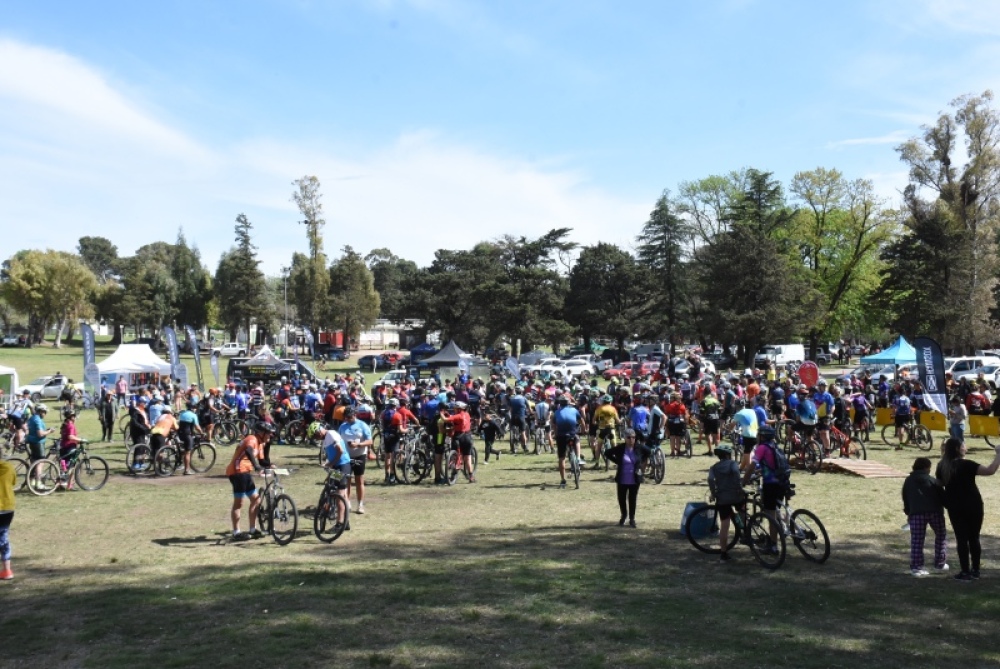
[868, 469]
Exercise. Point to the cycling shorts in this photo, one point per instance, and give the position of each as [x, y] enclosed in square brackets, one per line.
[772, 493]
[902, 421]
[675, 429]
[346, 469]
[519, 421]
[243, 485]
[358, 466]
[824, 424]
[464, 443]
[562, 444]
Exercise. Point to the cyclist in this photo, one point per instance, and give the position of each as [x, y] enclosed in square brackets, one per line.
[724, 482]
[773, 490]
[459, 424]
[638, 419]
[518, 406]
[606, 420]
[358, 437]
[37, 431]
[746, 420]
[657, 421]
[245, 463]
[711, 414]
[902, 414]
[824, 412]
[568, 422]
[542, 419]
[69, 439]
[187, 428]
[165, 425]
[676, 415]
[19, 415]
[862, 409]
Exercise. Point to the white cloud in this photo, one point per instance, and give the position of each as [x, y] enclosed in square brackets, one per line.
[81, 157]
[894, 137]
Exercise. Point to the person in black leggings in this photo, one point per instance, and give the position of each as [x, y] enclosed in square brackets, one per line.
[629, 457]
[963, 501]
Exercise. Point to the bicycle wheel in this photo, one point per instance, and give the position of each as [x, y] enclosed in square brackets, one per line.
[686, 445]
[659, 465]
[784, 431]
[202, 457]
[809, 535]
[416, 467]
[91, 472]
[399, 459]
[452, 468]
[768, 551]
[889, 434]
[283, 520]
[856, 450]
[921, 438]
[43, 477]
[812, 456]
[836, 446]
[295, 432]
[326, 525]
[20, 473]
[139, 459]
[264, 511]
[166, 461]
[574, 467]
[702, 530]
[992, 441]
[474, 456]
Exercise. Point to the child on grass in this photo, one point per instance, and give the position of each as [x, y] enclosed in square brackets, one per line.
[922, 504]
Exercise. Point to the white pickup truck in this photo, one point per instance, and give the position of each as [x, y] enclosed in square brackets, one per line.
[230, 349]
[598, 363]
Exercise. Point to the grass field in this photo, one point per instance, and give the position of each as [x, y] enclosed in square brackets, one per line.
[509, 572]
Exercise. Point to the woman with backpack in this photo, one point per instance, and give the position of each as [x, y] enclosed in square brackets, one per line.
[775, 475]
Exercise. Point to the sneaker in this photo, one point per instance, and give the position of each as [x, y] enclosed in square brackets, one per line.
[963, 576]
[919, 573]
[724, 557]
[631, 523]
[943, 567]
[563, 484]
[237, 535]
[361, 507]
[6, 575]
[974, 574]
[255, 533]
[621, 523]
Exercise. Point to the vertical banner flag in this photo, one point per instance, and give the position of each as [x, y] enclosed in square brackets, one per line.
[307, 333]
[512, 367]
[91, 375]
[930, 362]
[193, 343]
[214, 364]
[175, 358]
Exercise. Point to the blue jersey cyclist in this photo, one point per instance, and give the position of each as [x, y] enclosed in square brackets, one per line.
[187, 428]
[568, 422]
[519, 417]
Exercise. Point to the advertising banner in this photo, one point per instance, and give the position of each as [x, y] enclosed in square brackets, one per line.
[193, 343]
[172, 352]
[930, 362]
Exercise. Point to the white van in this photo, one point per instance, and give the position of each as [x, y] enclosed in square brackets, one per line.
[649, 349]
[780, 354]
[964, 365]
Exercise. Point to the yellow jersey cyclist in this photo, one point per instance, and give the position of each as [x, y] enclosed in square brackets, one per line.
[606, 419]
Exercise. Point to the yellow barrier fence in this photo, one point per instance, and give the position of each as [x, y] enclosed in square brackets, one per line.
[988, 426]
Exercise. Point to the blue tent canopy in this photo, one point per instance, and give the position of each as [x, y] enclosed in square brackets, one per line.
[900, 353]
[423, 349]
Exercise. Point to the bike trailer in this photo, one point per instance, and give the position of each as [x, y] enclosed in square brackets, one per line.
[700, 528]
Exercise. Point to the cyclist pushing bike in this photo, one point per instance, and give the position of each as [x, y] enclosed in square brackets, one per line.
[568, 423]
[606, 420]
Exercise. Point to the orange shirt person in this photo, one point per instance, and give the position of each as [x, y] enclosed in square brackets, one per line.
[241, 469]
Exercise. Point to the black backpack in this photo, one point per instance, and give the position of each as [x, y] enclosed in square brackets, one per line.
[782, 469]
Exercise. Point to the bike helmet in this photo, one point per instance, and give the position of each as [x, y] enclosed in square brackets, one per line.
[821, 383]
[461, 405]
[723, 448]
[263, 427]
[41, 408]
[766, 433]
[393, 402]
[740, 403]
[69, 412]
[606, 399]
[168, 409]
[313, 429]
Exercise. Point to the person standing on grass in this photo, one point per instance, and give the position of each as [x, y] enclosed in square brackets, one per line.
[727, 490]
[121, 390]
[629, 457]
[37, 431]
[8, 480]
[241, 469]
[106, 412]
[964, 502]
[957, 413]
[357, 437]
[922, 504]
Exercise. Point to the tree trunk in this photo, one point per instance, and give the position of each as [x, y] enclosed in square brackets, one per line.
[59, 330]
[117, 333]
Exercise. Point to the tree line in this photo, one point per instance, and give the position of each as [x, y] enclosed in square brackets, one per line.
[736, 258]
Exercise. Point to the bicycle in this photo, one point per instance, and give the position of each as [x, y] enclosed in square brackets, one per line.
[655, 466]
[750, 526]
[845, 446]
[861, 431]
[170, 458]
[807, 451]
[454, 463]
[914, 434]
[277, 515]
[21, 467]
[418, 460]
[332, 511]
[804, 528]
[542, 437]
[89, 471]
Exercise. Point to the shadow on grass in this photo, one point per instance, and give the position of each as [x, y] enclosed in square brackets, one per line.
[545, 595]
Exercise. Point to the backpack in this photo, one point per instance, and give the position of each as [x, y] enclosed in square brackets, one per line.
[806, 411]
[387, 416]
[782, 469]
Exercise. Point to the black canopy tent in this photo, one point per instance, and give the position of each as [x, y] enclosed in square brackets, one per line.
[448, 356]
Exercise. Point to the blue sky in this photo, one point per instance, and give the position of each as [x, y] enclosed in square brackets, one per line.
[438, 123]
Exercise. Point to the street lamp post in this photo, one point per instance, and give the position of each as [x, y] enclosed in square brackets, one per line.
[284, 275]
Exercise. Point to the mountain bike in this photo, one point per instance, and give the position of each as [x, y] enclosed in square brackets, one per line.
[277, 515]
[913, 434]
[803, 447]
[749, 526]
[332, 515]
[542, 437]
[844, 446]
[170, 458]
[89, 471]
[804, 529]
[21, 467]
[454, 463]
[418, 460]
[655, 466]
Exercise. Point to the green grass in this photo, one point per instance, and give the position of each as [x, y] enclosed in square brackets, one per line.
[510, 572]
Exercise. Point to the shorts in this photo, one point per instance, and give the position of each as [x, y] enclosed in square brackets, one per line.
[519, 421]
[17, 422]
[749, 443]
[185, 442]
[711, 426]
[464, 443]
[608, 433]
[772, 493]
[474, 411]
[358, 466]
[860, 416]
[727, 510]
[36, 451]
[156, 442]
[592, 430]
[345, 480]
[675, 429]
[562, 444]
[243, 485]
[902, 421]
[390, 443]
[824, 424]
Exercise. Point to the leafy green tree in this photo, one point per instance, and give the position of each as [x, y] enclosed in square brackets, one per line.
[837, 235]
[354, 302]
[240, 285]
[194, 285]
[661, 252]
[396, 282]
[100, 255]
[607, 293]
[958, 204]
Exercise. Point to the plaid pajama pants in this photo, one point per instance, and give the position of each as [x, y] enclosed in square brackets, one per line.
[918, 532]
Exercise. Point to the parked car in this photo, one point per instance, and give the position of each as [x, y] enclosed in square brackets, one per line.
[367, 363]
[876, 371]
[684, 367]
[623, 370]
[967, 363]
[230, 349]
[596, 363]
[821, 358]
[45, 387]
[12, 340]
[537, 366]
[990, 372]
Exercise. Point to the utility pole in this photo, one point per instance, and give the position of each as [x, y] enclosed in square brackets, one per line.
[284, 275]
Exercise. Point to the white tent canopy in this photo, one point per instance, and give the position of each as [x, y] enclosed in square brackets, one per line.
[133, 359]
[8, 382]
